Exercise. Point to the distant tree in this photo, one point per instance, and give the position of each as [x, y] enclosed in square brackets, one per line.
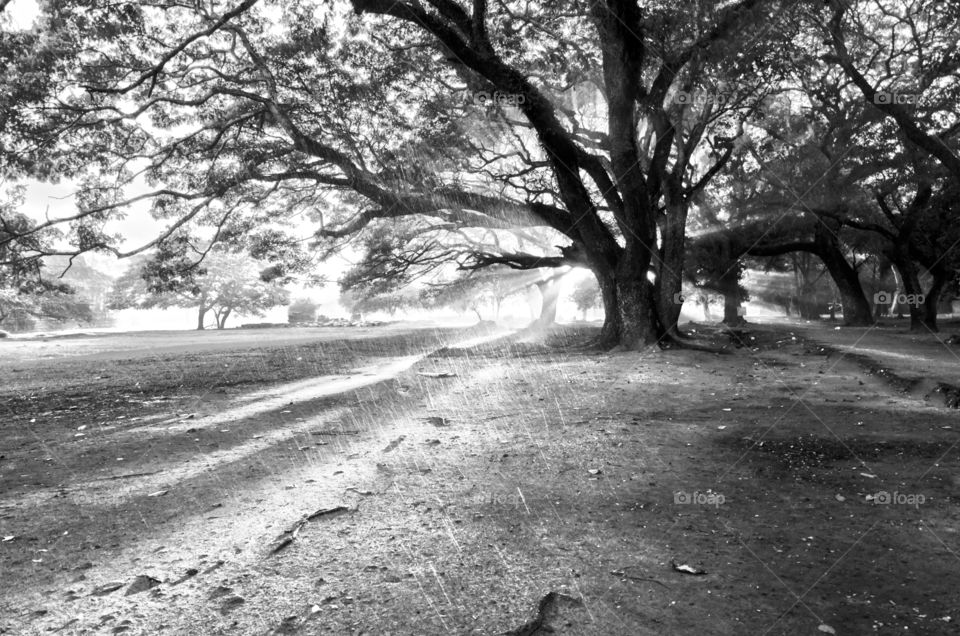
[474, 290]
[302, 310]
[91, 285]
[586, 296]
[28, 292]
[387, 302]
[228, 283]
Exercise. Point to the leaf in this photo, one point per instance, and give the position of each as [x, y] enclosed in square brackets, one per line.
[839, 497]
[324, 512]
[683, 568]
[107, 588]
[826, 629]
[159, 493]
[394, 444]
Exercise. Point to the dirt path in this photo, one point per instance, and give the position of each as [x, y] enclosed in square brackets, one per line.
[481, 486]
[924, 364]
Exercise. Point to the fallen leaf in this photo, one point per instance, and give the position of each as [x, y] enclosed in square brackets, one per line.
[394, 444]
[106, 588]
[159, 493]
[840, 498]
[687, 569]
[826, 629]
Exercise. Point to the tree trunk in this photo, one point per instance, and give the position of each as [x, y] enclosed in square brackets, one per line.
[222, 318]
[910, 277]
[931, 300]
[825, 245]
[202, 310]
[704, 301]
[856, 308]
[629, 311]
[730, 288]
[669, 282]
[549, 297]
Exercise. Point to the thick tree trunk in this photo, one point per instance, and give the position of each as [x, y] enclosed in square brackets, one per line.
[670, 268]
[856, 308]
[630, 315]
[730, 288]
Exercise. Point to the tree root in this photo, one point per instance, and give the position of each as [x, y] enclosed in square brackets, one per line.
[539, 622]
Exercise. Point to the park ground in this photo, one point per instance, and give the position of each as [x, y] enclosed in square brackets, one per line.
[385, 481]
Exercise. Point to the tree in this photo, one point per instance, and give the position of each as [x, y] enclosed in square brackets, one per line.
[475, 290]
[583, 119]
[28, 291]
[586, 296]
[894, 53]
[302, 310]
[228, 283]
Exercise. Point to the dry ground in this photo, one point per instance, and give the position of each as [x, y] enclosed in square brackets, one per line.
[515, 487]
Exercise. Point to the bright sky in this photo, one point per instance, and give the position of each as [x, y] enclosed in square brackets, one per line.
[22, 12]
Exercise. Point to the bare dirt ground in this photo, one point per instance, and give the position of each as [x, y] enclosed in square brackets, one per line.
[334, 486]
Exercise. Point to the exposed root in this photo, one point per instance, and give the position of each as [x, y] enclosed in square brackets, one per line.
[287, 536]
[546, 608]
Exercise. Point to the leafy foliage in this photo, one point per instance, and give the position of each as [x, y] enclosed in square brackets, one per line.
[229, 283]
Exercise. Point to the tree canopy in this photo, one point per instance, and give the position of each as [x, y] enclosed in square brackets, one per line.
[585, 133]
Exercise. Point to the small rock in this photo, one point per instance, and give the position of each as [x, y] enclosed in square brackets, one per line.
[231, 603]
